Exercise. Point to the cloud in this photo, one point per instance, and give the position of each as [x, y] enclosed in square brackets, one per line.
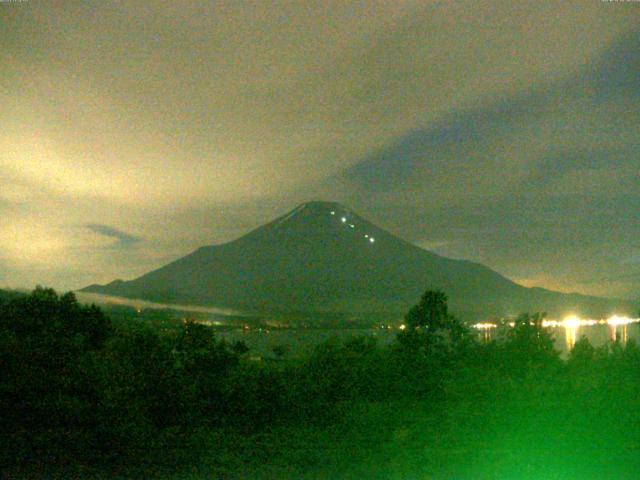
[123, 239]
[584, 122]
[239, 104]
[192, 124]
[541, 184]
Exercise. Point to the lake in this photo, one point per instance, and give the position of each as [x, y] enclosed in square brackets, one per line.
[300, 341]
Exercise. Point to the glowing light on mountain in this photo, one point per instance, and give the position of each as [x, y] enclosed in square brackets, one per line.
[372, 239]
[352, 225]
[344, 219]
[333, 213]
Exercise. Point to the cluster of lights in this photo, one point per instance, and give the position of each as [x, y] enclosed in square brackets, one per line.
[485, 326]
[572, 321]
[616, 320]
[351, 225]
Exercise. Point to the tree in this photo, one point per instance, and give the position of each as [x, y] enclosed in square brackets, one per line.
[529, 344]
[206, 363]
[431, 312]
[47, 397]
[582, 353]
[432, 315]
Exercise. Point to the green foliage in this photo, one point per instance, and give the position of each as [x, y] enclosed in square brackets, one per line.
[77, 391]
[431, 346]
[529, 348]
[431, 312]
[582, 354]
[81, 397]
[280, 351]
[431, 315]
[45, 346]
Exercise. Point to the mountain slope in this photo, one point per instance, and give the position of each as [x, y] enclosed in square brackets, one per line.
[323, 257]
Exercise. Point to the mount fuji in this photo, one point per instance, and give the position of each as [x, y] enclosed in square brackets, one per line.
[323, 258]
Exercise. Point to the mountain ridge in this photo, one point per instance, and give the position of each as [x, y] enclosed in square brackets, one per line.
[322, 257]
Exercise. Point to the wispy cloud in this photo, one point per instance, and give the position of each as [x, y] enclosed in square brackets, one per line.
[544, 132]
[123, 239]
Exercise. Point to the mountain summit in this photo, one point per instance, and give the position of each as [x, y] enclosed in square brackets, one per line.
[323, 257]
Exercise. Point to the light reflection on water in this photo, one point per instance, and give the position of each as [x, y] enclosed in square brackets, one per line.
[570, 334]
[566, 336]
[301, 341]
[597, 335]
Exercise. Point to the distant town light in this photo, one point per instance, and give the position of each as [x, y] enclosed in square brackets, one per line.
[366, 235]
[344, 219]
[352, 225]
[572, 321]
[616, 320]
[372, 239]
[333, 213]
[484, 326]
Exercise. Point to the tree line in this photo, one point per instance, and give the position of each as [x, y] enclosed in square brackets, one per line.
[81, 395]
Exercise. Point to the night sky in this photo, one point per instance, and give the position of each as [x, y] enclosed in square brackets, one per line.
[507, 133]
